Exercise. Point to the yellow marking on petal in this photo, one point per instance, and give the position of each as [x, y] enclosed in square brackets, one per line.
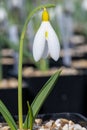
[46, 34]
[45, 15]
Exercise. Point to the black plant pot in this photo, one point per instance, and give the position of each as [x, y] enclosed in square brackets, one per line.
[6, 69]
[9, 96]
[85, 78]
[68, 94]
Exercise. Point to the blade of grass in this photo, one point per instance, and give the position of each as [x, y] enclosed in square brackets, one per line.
[7, 116]
[43, 94]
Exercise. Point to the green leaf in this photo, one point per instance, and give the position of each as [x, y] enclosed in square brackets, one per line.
[7, 116]
[43, 94]
[29, 119]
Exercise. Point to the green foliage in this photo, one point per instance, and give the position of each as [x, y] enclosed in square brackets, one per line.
[29, 119]
[7, 116]
[42, 96]
[35, 106]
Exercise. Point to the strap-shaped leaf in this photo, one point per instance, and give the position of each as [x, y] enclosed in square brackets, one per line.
[29, 119]
[7, 116]
[43, 94]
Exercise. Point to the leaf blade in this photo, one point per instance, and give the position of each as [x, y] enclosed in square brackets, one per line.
[7, 116]
[43, 94]
[29, 119]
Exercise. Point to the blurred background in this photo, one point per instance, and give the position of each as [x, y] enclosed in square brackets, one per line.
[69, 19]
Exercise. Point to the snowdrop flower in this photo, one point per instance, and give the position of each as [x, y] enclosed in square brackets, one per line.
[46, 41]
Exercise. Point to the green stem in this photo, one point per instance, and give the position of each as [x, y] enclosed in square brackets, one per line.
[20, 113]
[43, 65]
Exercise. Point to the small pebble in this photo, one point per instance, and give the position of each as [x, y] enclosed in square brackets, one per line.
[57, 122]
[5, 128]
[49, 124]
[38, 121]
[83, 128]
[77, 127]
[71, 127]
[71, 123]
[65, 127]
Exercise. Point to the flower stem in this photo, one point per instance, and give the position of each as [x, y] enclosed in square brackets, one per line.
[20, 113]
[44, 65]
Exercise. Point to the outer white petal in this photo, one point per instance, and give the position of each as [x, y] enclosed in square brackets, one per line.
[39, 43]
[53, 43]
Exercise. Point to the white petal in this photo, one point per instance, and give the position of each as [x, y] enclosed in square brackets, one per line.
[39, 43]
[53, 43]
[45, 52]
